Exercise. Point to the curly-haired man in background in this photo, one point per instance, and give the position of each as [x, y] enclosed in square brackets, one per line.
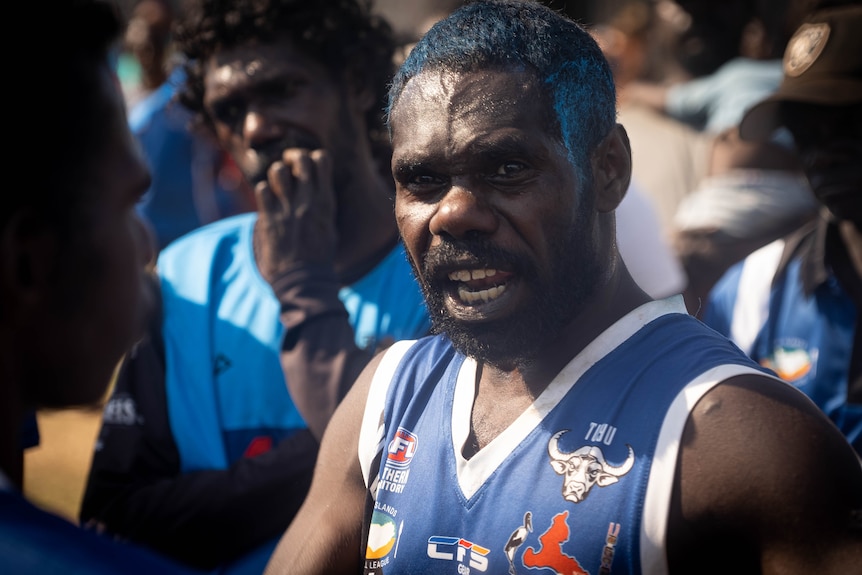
[204, 454]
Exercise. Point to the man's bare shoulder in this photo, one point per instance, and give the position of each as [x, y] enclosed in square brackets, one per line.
[764, 473]
[326, 533]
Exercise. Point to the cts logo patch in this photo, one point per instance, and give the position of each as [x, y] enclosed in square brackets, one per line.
[457, 549]
[401, 449]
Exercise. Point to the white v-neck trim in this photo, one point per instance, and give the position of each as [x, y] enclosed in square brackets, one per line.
[473, 473]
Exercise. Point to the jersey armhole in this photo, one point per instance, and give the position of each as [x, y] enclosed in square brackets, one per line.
[653, 531]
[371, 432]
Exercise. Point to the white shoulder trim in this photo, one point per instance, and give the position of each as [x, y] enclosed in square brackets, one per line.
[660, 484]
[752, 297]
[371, 432]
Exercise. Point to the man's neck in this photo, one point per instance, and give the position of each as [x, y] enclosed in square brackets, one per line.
[616, 298]
[502, 394]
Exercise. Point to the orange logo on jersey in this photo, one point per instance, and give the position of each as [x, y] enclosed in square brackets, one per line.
[550, 555]
[788, 363]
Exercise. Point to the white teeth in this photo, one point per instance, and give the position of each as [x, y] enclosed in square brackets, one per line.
[466, 275]
[472, 296]
[485, 295]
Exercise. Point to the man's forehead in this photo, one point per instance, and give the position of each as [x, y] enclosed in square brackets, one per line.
[255, 62]
[436, 82]
[469, 114]
[223, 70]
[489, 91]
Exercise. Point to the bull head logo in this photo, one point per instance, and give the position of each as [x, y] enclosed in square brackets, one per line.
[585, 467]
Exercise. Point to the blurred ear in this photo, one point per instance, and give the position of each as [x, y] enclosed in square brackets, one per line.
[29, 251]
[612, 169]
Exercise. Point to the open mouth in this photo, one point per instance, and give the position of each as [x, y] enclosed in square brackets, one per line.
[479, 285]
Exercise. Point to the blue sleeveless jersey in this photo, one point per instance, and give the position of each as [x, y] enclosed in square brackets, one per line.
[807, 339]
[35, 542]
[226, 392]
[578, 483]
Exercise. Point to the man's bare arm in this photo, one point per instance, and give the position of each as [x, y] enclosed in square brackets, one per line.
[765, 483]
[325, 536]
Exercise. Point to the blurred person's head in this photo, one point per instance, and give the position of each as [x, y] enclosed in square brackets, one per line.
[266, 75]
[623, 29]
[73, 250]
[148, 38]
[713, 33]
[820, 102]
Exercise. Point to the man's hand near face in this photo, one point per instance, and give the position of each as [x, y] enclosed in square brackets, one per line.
[296, 207]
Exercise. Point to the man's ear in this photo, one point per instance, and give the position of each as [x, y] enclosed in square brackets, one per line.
[612, 169]
[29, 252]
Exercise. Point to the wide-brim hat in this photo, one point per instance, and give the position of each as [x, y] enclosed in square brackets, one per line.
[822, 65]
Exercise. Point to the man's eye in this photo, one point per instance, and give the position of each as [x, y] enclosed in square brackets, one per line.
[425, 180]
[421, 184]
[509, 169]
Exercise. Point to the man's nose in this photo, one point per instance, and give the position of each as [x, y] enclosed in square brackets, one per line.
[463, 211]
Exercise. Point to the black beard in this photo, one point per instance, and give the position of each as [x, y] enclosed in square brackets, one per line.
[557, 298]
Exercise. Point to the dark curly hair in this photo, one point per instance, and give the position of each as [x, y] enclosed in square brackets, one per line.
[343, 35]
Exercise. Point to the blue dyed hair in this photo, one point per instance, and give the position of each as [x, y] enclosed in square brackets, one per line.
[524, 35]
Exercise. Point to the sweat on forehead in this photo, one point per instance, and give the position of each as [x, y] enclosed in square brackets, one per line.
[525, 36]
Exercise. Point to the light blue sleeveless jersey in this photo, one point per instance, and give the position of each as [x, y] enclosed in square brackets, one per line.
[578, 483]
[225, 386]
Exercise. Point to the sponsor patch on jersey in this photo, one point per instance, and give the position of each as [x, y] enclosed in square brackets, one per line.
[585, 468]
[258, 446]
[399, 453]
[121, 410]
[466, 553]
[402, 448]
[516, 539]
[790, 363]
[382, 539]
[609, 548]
[549, 553]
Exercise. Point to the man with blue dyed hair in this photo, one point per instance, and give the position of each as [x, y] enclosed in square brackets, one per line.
[560, 419]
